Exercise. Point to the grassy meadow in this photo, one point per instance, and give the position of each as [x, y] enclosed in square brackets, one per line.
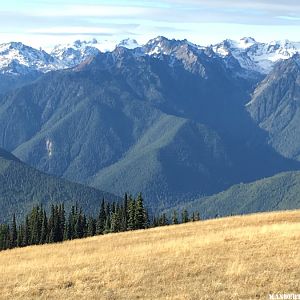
[245, 257]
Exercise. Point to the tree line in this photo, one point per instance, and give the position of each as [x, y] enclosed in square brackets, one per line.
[40, 228]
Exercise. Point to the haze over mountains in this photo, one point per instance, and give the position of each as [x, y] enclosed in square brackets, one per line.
[172, 119]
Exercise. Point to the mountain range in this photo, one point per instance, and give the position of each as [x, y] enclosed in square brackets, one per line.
[21, 64]
[171, 119]
[17, 58]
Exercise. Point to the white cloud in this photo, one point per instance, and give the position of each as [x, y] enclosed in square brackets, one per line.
[107, 11]
[74, 30]
[201, 21]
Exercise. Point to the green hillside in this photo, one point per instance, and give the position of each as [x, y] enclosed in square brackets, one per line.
[280, 192]
[275, 107]
[172, 148]
[21, 187]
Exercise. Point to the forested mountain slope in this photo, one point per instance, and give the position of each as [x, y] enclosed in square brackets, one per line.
[22, 187]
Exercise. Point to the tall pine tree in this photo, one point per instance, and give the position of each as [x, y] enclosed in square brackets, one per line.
[140, 213]
[13, 233]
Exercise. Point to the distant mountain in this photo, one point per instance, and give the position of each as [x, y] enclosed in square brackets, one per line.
[280, 192]
[22, 187]
[129, 44]
[275, 107]
[163, 46]
[172, 125]
[21, 64]
[19, 59]
[257, 56]
[73, 54]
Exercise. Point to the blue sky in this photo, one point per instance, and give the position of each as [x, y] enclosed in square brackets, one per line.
[48, 22]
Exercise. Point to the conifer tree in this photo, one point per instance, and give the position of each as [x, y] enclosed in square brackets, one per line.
[155, 221]
[140, 213]
[4, 237]
[101, 221]
[125, 213]
[54, 229]
[26, 232]
[20, 236]
[69, 230]
[91, 227]
[197, 216]
[61, 222]
[84, 226]
[67, 235]
[35, 226]
[44, 229]
[131, 214]
[174, 217]
[185, 216]
[13, 233]
[193, 217]
[116, 219]
[107, 226]
[79, 230]
[163, 220]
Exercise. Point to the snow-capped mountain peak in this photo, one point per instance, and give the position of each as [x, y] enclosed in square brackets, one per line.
[246, 42]
[161, 45]
[73, 54]
[158, 45]
[256, 56]
[228, 46]
[17, 58]
[129, 44]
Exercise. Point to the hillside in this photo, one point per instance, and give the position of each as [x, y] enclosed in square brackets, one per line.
[202, 260]
[275, 107]
[279, 192]
[22, 187]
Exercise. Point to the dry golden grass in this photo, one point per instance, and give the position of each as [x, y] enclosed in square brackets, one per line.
[233, 258]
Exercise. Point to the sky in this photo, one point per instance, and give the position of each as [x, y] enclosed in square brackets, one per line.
[45, 23]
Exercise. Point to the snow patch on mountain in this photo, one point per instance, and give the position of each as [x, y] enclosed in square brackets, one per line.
[129, 44]
[71, 55]
[257, 56]
[163, 46]
[17, 58]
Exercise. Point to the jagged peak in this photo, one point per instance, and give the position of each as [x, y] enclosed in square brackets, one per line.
[248, 40]
[163, 45]
[129, 43]
[19, 47]
[158, 39]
